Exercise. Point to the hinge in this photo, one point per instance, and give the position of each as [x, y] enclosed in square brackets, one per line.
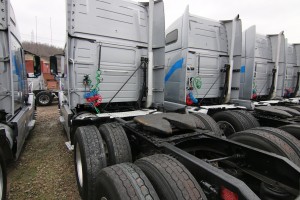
[6, 59]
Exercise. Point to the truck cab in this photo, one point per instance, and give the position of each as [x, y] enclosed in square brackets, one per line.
[17, 104]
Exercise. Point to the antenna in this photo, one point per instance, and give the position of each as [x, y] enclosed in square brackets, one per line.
[36, 34]
[51, 30]
[32, 36]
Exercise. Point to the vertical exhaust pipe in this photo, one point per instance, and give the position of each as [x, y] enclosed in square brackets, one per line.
[276, 68]
[228, 95]
[150, 56]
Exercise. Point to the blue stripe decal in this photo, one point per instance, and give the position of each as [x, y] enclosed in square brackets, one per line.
[243, 69]
[18, 72]
[177, 65]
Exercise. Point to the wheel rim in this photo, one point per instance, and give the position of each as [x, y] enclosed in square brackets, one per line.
[79, 166]
[1, 182]
[44, 99]
[227, 128]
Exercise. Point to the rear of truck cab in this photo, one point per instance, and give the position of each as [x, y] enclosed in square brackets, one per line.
[264, 66]
[196, 61]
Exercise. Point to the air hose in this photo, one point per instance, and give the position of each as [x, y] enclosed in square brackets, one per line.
[197, 83]
[193, 98]
[93, 97]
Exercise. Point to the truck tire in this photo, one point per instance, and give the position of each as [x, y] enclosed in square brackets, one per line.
[170, 178]
[293, 129]
[209, 123]
[3, 177]
[44, 98]
[231, 122]
[288, 138]
[267, 141]
[251, 119]
[116, 142]
[124, 182]
[89, 156]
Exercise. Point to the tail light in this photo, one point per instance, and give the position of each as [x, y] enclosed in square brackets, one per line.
[227, 194]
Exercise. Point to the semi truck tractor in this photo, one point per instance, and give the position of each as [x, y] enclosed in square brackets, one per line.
[226, 78]
[45, 87]
[269, 66]
[269, 79]
[17, 105]
[263, 66]
[125, 145]
[292, 83]
[203, 69]
[203, 59]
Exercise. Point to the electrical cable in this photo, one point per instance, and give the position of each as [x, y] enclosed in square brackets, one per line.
[196, 84]
[123, 85]
[262, 88]
[209, 89]
[143, 91]
[93, 97]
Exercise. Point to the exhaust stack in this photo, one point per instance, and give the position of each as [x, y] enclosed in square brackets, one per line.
[234, 22]
[150, 56]
[276, 68]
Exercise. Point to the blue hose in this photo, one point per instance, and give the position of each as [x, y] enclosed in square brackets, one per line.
[193, 98]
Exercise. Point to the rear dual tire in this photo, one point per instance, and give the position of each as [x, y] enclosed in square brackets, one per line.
[235, 121]
[293, 129]
[89, 156]
[116, 142]
[271, 140]
[96, 150]
[208, 123]
[155, 177]
[170, 178]
[124, 182]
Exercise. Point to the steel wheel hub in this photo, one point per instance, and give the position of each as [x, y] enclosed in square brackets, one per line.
[227, 128]
[79, 166]
[44, 99]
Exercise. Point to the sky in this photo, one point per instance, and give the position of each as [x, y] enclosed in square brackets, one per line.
[269, 16]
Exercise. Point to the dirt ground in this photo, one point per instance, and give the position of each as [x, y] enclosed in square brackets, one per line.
[45, 169]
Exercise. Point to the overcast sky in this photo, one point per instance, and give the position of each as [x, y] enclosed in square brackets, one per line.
[270, 17]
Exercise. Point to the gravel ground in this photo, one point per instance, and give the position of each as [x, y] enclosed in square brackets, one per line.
[45, 169]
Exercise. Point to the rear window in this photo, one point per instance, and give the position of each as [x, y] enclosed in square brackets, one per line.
[172, 37]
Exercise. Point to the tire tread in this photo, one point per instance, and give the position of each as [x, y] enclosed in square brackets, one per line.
[179, 179]
[116, 136]
[94, 156]
[130, 181]
[251, 119]
[281, 145]
[209, 123]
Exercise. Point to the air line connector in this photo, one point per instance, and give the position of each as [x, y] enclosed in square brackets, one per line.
[226, 68]
[144, 59]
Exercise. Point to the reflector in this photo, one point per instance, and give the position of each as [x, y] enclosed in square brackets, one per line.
[227, 194]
